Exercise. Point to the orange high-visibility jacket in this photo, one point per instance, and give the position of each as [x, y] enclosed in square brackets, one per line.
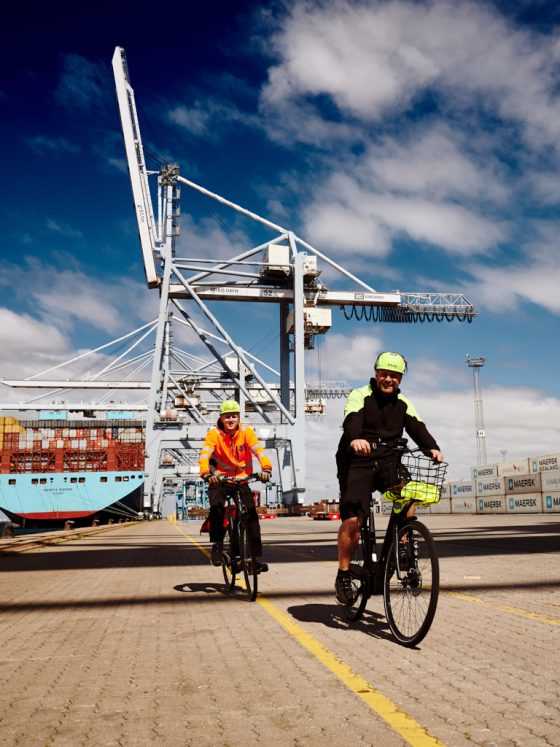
[232, 453]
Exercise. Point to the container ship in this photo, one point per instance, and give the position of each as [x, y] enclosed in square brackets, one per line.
[77, 466]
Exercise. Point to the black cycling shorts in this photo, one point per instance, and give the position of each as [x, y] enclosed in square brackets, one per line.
[363, 476]
[356, 487]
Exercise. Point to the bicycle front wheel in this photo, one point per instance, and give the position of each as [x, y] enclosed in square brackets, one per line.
[411, 583]
[228, 559]
[249, 564]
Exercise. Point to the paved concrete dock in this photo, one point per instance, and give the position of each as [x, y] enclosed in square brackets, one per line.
[126, 638]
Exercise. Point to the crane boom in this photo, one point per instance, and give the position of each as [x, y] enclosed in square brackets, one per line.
[136, 166]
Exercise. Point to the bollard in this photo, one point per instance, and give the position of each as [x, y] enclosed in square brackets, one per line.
[69, 524]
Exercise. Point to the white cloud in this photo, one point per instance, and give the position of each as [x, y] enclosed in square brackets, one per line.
[352, 216]
[45, 144]
[346, 358]
[64, 229]
[346, 229]
[39, 337]
[373, 59]
[68, 296]
[435, 162]
[545, 185]
[503, 288]
[194, 119]
[83, 83]
[208, 118]
[207, 238]
[451, 227]
[27, 345]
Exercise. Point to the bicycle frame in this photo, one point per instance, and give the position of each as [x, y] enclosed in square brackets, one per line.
[376, 568]
[241, 560]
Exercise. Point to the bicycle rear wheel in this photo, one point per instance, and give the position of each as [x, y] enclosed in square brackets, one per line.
[360, 585]
[228, 559]
[249, 564]
[411, 584]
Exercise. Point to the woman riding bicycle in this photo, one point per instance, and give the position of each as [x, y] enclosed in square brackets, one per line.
[227, 453]
[373, 413]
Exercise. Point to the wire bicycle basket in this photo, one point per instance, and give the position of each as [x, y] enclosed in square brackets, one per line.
[416, 477]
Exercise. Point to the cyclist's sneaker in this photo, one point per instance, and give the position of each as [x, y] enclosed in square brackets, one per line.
[261, 567]
[217, 552]
[344, 589]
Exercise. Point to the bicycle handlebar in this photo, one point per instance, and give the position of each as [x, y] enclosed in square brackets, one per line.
[239, 480]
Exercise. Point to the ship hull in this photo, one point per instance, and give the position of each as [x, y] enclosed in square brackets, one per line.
[47, 499]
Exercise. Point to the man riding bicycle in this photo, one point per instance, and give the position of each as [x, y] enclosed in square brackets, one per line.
[227, 453]
[374, 413]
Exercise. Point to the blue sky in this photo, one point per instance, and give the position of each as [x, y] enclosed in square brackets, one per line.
[414, 142]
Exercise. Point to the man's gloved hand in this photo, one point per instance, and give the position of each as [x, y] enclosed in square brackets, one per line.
[265, 475]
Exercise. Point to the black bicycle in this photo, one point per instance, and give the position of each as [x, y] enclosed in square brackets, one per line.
[237, 556]
[406, 571]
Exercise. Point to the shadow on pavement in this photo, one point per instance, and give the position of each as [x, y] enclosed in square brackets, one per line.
[170, 549]
[332, 615]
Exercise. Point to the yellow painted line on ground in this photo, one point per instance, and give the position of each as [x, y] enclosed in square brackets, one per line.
[517, 611]
[194, 541]
[399, 721]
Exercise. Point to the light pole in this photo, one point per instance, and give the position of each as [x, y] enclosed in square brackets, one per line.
[480, 434]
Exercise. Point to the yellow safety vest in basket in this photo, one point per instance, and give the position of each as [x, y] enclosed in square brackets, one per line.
[422, 492]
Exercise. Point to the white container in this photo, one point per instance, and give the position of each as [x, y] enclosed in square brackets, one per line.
[520, 467]
[463, 505]
[443, 507]
[488, 470]
[490, 486]
[545, 463]
[463, 489]
[529, 483]
[493, 504]
[74, 443]
[526, 503]
[550, 481]
[551, 502]
[59, 443]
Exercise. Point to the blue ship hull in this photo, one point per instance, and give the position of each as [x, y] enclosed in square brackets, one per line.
[47, 498]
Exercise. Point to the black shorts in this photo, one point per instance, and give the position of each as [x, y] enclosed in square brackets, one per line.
[363, 477]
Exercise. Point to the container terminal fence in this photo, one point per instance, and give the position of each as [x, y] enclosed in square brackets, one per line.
[529, 485]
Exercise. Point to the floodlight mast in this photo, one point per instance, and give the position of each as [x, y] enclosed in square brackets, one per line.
[476, 363]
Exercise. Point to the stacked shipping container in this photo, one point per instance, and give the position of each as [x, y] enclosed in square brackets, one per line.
[70, 446]
[529, 485]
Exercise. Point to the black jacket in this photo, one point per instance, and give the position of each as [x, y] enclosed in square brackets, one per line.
[371, 415]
